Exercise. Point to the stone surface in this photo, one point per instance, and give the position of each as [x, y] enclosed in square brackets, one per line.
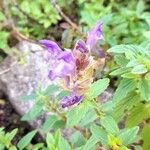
[17, 80]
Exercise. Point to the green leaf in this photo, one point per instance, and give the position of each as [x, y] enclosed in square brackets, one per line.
[34, 112]
[146, 17]
[139, 69]
[51, 89]
[90, 144]
[25, 6]
[138, 114]
[2, 16]
[12, 148]
[124, 87]
[97, 88]
[130, 51]
[99, 133]
[132, 63]
[50, 141]
[144, 88]
[129, 75]
[12, 134]
[38, 146]
[109, 124]
[117, 49]
[140, 7]
[120, 60]
[62, 94]
[32, 96]
[76, 114]
[146, 136]
[58, 124]
[128, 136]
[89, 118]
[147, 34]
[63, 144]
[77, 139]
[3, 39]
[26, 139]
[119, 71]
[138, 147]
[125, 104]
[1, 129]
[79, 148]
[50, 120]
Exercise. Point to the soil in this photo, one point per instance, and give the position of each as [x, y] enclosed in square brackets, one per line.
[10, 119]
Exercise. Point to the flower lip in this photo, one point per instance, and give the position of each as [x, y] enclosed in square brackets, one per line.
[61, 69]
[66, 56]
[81, 46]
[94, 35]
[71, 100]
[51, 46]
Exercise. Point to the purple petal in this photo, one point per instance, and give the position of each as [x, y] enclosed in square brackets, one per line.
[94, 35]
[52, 75]
[71, 100]
[66, 56]
[61, 69]
[51, 46]
[99, 53]
[81, 46]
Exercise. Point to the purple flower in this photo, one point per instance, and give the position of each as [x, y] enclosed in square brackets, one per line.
[81, 46]
[63, 62]
[94, 35]
[99, 53]
[52, 48]
[67, 56]
[71, 100]
[63, 66]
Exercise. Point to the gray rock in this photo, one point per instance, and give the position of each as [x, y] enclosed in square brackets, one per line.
[17, 80]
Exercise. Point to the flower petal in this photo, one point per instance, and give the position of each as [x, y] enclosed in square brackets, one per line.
[61, 69]
[71, 100]
[51, 46]
[66, 56]
[94, 35]
[81, 46]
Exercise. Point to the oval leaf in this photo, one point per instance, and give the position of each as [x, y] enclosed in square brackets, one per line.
[26, 139]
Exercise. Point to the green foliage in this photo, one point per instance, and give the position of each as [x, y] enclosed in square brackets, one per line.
[146, 137]
[132, 93]
[128, 136]
[75, 115]
[124, 22]
[26, 139]
[6, 138]
[138, 114]
[144, 88]
[3, 39]
[43, 16]
[97, 88]
[99, 133]
[109, 124]
[49, 122]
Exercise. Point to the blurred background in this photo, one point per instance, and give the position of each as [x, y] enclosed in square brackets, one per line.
[124, 21]
[64, 21]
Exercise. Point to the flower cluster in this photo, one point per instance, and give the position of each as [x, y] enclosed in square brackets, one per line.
[76, 67]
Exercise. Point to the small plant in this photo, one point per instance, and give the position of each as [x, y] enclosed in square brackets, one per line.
[74, 101]
[77, 117]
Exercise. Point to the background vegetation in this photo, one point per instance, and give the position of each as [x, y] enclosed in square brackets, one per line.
[127, 66]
